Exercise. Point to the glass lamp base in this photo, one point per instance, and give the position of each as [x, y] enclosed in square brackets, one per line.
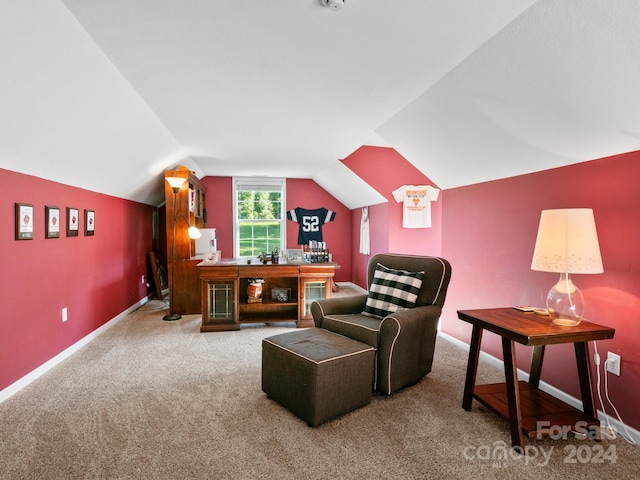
[567, 322]
[565, 302]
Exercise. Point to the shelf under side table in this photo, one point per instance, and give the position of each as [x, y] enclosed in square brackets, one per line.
[535, 406]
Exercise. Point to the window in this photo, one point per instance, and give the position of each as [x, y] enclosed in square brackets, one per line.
[259, 220]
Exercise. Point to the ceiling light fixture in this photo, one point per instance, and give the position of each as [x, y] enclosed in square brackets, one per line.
[334, 4]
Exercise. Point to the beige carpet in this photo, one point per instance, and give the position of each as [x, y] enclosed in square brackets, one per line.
[158, 400]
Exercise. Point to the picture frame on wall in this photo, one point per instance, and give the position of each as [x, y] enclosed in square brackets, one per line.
[51, 222]
[89, 222]
[73, 222]
[24, 221]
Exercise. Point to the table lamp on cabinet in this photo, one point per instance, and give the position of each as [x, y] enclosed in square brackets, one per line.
[567, 243]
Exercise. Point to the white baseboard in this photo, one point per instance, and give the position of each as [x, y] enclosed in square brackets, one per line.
[352, 285]
[616, 424]
[48, 365]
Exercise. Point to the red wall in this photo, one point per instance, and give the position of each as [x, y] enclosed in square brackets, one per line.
[384, 169]
[489, 232]
[220, 211]
[337, 234]
[96, 278]
[300, 193]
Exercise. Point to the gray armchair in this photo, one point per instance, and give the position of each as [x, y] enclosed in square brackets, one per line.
[404, 340]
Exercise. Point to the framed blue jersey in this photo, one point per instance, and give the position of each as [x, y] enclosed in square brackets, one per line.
[310, 223]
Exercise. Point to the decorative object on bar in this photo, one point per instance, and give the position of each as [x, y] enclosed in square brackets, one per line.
[176, 183]
[280, 294]
[567, 243]
[265, 258]
[254, 290]
[316, 252]
[294, 255]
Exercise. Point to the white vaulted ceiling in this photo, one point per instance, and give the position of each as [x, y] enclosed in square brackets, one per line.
[106, 95]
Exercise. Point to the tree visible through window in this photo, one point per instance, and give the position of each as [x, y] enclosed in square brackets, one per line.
[259, 217]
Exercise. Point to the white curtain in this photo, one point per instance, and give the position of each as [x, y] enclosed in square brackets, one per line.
[365, 239]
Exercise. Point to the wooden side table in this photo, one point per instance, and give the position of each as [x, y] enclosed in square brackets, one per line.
[523, 403]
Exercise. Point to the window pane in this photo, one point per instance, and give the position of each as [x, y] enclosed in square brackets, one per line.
[245, 205]
[259, 205]
[259, 217]
[259, 236]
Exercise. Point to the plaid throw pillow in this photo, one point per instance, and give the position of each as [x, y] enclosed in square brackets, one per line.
[391, 291]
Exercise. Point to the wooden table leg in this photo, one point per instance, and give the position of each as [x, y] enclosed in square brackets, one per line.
[472, 368]
[536, 365]
[586, 387]
[513, 394]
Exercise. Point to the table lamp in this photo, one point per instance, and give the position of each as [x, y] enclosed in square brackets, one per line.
[567, 243]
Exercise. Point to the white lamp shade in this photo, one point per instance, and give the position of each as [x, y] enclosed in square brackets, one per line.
[176, 182]
[567, 242]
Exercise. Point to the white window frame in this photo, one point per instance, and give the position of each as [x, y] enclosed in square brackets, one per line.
[258, 183]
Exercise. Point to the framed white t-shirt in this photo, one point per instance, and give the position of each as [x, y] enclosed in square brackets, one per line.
[416, 211]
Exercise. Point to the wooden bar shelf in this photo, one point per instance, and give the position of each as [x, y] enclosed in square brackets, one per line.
[225, 303]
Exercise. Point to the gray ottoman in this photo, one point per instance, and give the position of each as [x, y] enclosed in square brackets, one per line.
[317, 374]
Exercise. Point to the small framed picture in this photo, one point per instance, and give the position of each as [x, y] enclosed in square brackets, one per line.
[212, 257]
[51, 222]
[73, 222]
[24, 221]
[294, 255]
[89, 222]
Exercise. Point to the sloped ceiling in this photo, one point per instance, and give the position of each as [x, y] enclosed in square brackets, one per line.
[558, 85]
[106, 95]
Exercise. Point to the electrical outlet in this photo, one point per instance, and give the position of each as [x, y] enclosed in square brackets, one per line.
[64, 314]
[142, 279]
[613, 363]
